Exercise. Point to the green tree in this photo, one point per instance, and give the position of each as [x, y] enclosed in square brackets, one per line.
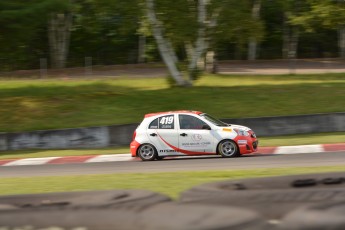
[197, 26]
[237, 25]
[329, 14]
[106, 30]
[282, 37]
[20, 22]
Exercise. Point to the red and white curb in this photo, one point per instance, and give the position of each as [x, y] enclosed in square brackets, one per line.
[127, 157]
[302, 149]
[67, 160]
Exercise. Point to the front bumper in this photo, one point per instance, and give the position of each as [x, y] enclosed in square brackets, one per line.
[247, 144]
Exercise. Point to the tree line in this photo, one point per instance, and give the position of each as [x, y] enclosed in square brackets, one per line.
[179, 32]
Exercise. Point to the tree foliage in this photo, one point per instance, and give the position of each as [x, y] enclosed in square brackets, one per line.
[23, 28]
[110, 31]
[325, 13]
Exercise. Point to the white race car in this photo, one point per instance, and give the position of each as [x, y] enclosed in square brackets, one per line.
[186, 133]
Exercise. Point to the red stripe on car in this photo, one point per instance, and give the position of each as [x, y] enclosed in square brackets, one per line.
[183, 150]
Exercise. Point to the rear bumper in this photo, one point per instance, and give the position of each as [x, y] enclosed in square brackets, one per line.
[134, 147]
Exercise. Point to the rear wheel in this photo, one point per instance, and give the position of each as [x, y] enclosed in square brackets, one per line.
[147, 152]
[228, 148]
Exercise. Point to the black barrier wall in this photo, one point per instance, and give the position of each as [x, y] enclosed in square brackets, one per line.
[287, 125]
[116, 135]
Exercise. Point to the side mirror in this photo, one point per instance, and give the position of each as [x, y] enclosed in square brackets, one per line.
[207, 127]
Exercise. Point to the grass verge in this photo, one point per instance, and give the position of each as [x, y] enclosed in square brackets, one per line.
[171, 184]
[67, 103]
[303, 139]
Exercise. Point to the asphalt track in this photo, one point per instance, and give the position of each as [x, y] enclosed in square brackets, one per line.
[180, 164]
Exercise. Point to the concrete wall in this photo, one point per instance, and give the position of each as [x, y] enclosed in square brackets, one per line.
[3, 141]
[121, 134]
[98, 137]
[285, 125]
[95, 137]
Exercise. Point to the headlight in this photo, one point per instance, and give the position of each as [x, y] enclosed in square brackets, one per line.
[241, 132]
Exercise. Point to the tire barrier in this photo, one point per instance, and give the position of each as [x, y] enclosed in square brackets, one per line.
[305, 202]
[316, 217]
[118, 210]
[271, 197]
[127, 199]
[194, 216]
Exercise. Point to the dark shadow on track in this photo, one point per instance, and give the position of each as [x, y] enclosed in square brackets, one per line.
[173, 158]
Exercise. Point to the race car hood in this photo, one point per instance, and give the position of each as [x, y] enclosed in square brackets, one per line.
[241, 127]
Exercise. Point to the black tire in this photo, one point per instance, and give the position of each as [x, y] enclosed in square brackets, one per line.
[147, 152]
[228, 148]
[278, 195]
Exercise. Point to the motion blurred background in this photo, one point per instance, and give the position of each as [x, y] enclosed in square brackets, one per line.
[92, 63]
[72, 33]
[105, 63]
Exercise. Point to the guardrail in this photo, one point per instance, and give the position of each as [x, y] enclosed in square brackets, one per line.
[117, 135]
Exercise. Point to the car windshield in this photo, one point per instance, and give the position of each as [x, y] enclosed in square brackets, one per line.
[213, 120]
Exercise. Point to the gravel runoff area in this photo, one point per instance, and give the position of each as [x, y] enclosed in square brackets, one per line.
[298, 66]
[259, 67]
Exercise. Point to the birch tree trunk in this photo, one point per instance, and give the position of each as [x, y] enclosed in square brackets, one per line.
[189, 50]
[252, 46]
[290, 41]
[141, 48]
[286, 32]
[201, 45]
[164, 45]
[342, 42]
[59, 33]
[293, 43]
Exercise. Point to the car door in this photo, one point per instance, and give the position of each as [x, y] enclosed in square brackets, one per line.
[194, 139]
[162, 132]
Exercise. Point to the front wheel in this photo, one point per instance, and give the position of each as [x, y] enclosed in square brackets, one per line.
[228, 148]
[147, 152]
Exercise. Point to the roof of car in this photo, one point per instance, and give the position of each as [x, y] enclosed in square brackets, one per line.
[170, 112]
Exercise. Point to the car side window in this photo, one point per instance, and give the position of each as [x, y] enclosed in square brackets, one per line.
[165, 122]
[190, 122]
[154, 124]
